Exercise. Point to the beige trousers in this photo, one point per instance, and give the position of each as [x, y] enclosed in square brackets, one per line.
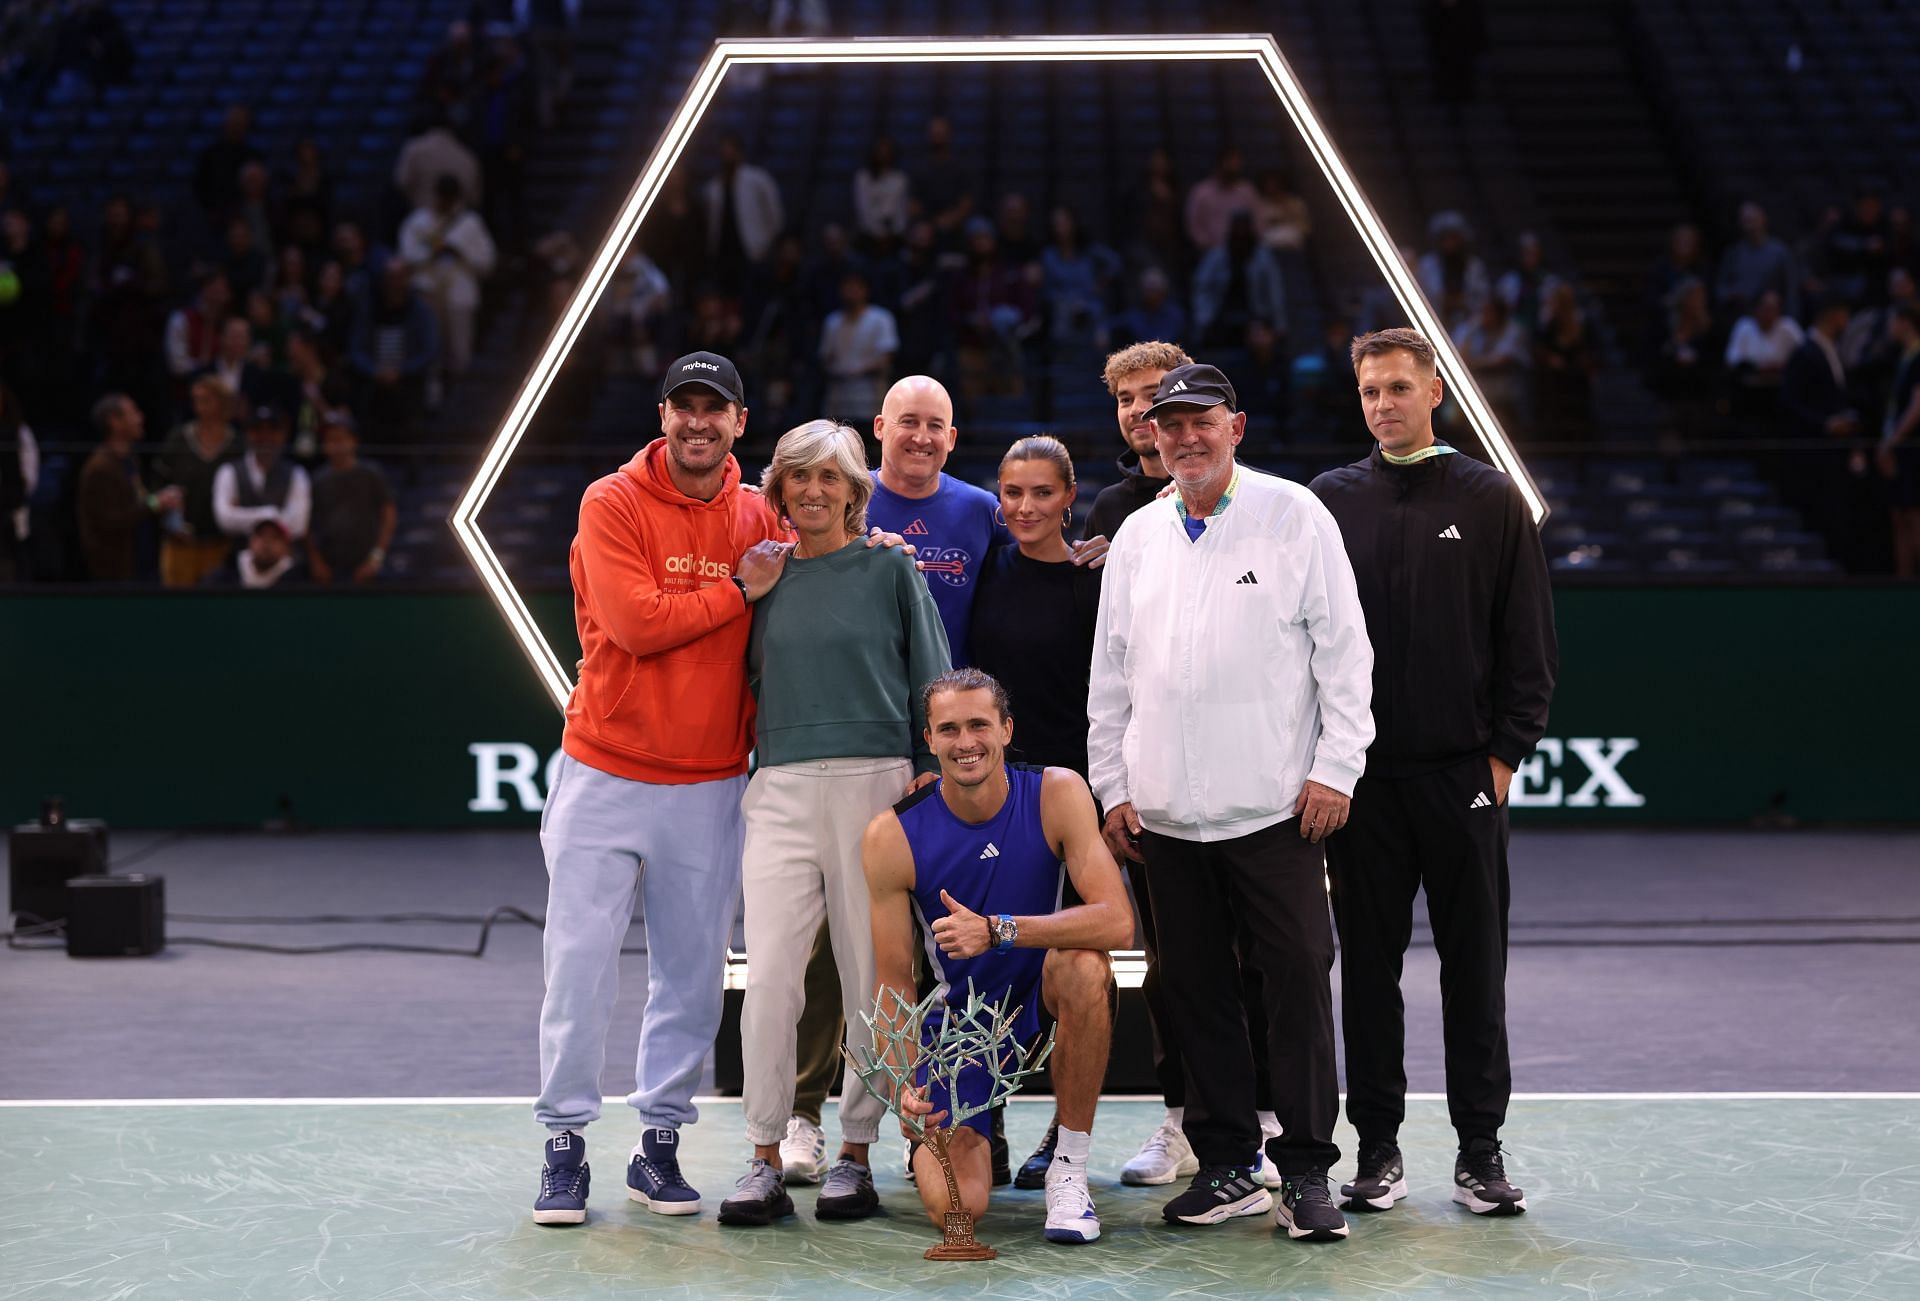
[802, 862]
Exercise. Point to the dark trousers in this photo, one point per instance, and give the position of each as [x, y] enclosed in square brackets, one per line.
[1272, 883]
[1404, 833]
[1168, 1068]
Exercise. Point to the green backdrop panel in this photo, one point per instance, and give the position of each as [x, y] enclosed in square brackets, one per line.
[1676, 705]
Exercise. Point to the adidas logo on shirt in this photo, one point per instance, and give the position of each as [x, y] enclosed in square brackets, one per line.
[1480, 801]
[991, 851]
[1245, 578]
[917, 529]
[1451, 531]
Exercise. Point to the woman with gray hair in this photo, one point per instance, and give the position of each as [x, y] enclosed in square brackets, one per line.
[838, 653]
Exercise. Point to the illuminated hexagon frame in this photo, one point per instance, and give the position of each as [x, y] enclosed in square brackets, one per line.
[1260, 50]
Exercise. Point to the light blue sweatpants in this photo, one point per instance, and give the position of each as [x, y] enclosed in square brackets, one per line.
[677, 848]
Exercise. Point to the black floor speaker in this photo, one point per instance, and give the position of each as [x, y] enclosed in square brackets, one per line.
[43, 858]
[116, 916]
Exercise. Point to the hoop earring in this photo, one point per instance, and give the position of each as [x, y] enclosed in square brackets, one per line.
[998, 518]
[1069, 522]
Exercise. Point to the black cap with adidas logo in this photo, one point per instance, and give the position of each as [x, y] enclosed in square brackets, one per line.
[1193, 385]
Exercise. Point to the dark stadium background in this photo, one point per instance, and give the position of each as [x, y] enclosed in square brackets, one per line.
[1734, 635]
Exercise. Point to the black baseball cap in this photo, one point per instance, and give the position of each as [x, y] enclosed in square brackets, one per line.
[1192, 385]
[708, 369]
[268, 414]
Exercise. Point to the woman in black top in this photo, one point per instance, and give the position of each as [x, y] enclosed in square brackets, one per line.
[1034, 615]
[1033, 630]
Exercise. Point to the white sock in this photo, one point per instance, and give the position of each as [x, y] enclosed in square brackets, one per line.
[1176, 1116]
[1269, 1123]
[1074, 1146]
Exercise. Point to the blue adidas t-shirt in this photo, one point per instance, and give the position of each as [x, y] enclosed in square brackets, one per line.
[951, 532]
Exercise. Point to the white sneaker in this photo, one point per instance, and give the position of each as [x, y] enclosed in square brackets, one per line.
[803, 1152]
[1163, 1158]
[1071, 1218]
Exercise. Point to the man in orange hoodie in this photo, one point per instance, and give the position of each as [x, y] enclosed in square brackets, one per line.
[645, 799]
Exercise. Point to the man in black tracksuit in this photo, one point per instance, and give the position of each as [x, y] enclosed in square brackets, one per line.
[1454, 584]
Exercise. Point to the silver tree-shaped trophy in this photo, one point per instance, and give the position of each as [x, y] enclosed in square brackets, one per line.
[977, 1034]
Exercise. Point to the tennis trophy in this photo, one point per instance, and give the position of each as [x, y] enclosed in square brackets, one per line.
[978, 1034]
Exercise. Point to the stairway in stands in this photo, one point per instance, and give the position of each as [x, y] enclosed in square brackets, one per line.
[631, 64]
[1592, 151]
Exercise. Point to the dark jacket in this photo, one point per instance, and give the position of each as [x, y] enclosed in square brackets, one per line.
[110, 505]
[1454, 584]
[1809, 395]
[1119, 500]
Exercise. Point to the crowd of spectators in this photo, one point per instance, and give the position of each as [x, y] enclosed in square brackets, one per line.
[1522, 330]
[263, 329]
[1805, 343]
[265, 322]
[925, 270]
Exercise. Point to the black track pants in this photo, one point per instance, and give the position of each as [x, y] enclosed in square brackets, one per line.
[1440, 831]
[1269, 888]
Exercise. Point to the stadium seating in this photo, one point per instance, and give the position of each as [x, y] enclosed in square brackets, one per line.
[346, 74]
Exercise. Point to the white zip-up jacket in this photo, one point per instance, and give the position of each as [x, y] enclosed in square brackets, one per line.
[1228, 671]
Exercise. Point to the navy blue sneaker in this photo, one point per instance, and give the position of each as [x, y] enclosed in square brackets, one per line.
[653, 1175]
[1033, 1173]
[563, 1181]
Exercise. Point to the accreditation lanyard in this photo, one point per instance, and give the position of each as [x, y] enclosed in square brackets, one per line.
[1226, 498]
[1426, 453]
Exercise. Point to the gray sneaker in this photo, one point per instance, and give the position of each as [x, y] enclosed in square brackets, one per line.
[847, 1193]
[760, 1199]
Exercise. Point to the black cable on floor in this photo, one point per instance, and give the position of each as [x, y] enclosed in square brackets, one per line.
[36, 928]
[171, 838]
[341, 919]
[39, 929]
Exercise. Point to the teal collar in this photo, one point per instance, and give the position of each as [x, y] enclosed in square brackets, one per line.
[1233, 486]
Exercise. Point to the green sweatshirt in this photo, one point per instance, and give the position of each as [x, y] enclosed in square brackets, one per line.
[839, 651]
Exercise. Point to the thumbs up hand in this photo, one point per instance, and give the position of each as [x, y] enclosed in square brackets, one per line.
[962, 933]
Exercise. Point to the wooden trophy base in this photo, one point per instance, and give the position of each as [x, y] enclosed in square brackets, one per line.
[959, 1242]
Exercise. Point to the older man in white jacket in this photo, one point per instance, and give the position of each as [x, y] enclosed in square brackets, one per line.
[1229, 713]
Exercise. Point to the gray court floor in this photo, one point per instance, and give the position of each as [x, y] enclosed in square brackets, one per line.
[1653, 964]
[1642, 961]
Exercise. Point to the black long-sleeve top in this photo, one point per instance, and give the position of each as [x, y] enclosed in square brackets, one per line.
[1454, 584]
[1033, 629]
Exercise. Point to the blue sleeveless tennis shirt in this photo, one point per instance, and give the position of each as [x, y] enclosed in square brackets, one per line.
[1001, 866]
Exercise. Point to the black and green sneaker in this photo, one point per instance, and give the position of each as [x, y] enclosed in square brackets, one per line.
[1306, 1208]
[1219, 1192]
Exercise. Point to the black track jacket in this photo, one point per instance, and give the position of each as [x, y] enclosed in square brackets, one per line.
[1454, 584]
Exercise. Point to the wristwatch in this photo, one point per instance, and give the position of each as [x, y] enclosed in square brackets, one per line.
[1005, 931]
[743, 588]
